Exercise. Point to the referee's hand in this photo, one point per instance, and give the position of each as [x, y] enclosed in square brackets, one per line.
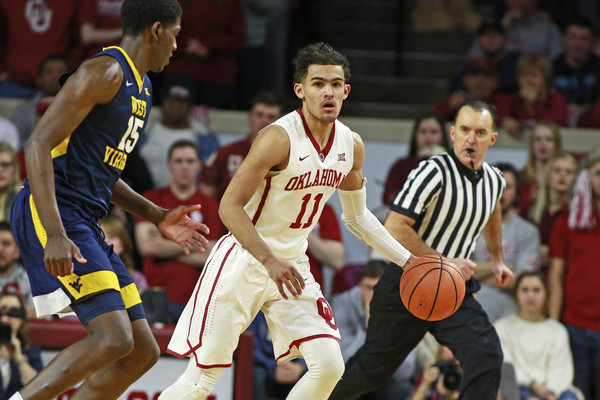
[466, 267]
[503, 274]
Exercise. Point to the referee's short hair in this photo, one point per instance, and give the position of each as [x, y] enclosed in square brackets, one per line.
[480, 106]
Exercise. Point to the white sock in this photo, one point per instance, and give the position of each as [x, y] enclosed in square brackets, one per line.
[194, 384]
[16, 396]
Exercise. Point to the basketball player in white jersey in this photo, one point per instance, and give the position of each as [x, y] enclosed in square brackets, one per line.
[271, 205]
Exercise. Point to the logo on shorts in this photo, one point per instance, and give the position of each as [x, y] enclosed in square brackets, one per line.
[76, 285]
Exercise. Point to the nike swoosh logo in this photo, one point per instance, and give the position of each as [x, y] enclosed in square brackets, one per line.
[303, 158]
[128, 83]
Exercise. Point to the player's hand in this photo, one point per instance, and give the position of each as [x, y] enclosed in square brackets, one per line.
[284, 274]
[503, 274]
[59, 254]
[466, 267]
[180, 228]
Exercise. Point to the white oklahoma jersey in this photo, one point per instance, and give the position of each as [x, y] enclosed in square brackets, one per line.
[288, 204]
[234, 286]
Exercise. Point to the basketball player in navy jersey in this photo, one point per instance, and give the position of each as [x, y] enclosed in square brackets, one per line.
[74, 158]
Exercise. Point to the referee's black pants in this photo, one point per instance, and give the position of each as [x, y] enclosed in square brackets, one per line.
[393, 332]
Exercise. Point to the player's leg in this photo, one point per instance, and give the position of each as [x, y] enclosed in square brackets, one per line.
[325, 368]
[226, 299]
[112, 380]
[474, 342]
[194, 384]
[109, 339]
[392, 333]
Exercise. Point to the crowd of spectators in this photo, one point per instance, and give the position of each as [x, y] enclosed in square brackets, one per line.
[538, 79]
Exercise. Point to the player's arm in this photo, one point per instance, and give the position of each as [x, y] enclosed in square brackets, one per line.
[492, 232]
[96, 81]
[269, 151]
[357, 217]
[175, 224]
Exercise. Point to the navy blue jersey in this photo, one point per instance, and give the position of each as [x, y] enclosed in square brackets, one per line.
[89, 162]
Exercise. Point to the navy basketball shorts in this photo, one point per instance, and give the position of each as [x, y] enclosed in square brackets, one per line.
[100, 285]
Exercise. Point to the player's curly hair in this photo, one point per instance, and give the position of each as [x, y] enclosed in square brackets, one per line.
[318, 54]
[138, 15]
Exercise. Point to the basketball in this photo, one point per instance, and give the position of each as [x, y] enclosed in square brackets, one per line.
[432, 288]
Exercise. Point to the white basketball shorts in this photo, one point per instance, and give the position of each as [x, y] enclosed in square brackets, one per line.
[231, 290]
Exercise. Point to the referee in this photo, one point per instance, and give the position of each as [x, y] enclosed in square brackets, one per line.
[444, 205]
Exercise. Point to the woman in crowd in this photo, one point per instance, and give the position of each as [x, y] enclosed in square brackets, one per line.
[553, 199]
[19, 361]
[537, 346]
[428, 137]
[545, 140]
[536, 100]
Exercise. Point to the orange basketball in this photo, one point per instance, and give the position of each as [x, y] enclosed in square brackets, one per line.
[432, 288]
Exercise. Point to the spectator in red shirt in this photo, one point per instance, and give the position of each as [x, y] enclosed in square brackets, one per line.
[535, 101]
[31, 31]
[428, 133]
[166, 265]
[480, 81]
[99, 25]
[574, 279]
[214, 33]
[266, 109]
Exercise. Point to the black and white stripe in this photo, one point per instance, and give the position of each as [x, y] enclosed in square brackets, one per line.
[449, 209]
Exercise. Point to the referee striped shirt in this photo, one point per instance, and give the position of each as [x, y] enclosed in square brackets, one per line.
[449, 202]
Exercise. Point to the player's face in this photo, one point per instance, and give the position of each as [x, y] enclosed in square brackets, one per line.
[509, 196]
[472, 135]
[166, 44]
[184, 166]
[562, 175]
[323, 91]
[262, 115]
[531, 295]
[542, 143]
[9, 252]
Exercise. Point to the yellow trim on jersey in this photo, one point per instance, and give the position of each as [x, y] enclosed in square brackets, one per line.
[61, 148]
[84, 285]
[37, 223]
[131, 295]
[138, 78]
